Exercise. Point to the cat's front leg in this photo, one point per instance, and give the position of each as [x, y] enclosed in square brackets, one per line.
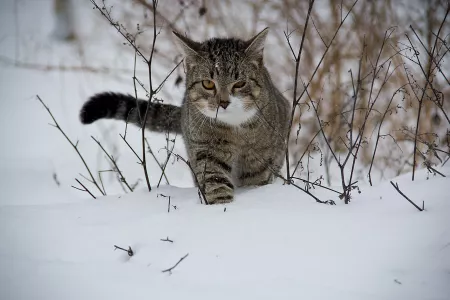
[213, 168]
[257, 167]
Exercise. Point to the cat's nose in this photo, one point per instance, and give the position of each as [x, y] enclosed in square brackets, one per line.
[224, 104]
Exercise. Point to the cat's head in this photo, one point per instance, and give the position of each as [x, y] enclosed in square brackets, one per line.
[223, 76]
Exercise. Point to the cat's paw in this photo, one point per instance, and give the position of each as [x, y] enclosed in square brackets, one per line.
[219, 195]
[219, 199]
[218, 189]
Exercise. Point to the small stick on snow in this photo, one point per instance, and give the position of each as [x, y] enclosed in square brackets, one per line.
[168, 205]
[395, 185]
[129, 251]
[170, 269]
[166, 240]
[434, 170]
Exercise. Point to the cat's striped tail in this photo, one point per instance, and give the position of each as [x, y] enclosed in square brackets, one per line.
[160, 117]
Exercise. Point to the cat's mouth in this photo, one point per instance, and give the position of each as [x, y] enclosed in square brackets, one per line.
[234, 114]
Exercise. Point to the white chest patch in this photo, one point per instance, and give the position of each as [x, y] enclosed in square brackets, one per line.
[234, 114]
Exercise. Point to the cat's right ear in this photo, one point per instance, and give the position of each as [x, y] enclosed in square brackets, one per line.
[186, 46]
[256, 44]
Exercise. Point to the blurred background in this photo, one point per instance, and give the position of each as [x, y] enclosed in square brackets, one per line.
[66, 50]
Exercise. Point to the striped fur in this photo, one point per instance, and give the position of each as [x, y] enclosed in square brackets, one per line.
[235, 136]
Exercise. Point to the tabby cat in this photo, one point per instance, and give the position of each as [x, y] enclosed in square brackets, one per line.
[233, 119]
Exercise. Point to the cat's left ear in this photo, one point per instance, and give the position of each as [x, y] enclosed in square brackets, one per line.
[186, 45]
[256, 44]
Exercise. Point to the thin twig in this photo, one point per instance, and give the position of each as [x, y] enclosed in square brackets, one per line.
[168, 204]
[85, 188]
[294, 100]
[129, 146]
[156, 160]
[116, 167]
[330, 202]
[434, 170]
[395, 185]
[129, 250]
[439, 105]
[75, 146]
[169, 153]
[152, 93]
[171, 268]
[304, 152]
[379, 129]
[120, 29]
[166, 240]
[427, 78]
[201, 191]
[316, 184]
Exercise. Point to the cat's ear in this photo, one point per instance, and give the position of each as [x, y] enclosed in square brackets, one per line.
[186, 46]
[255, 45]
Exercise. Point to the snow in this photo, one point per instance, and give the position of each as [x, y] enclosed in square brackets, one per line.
[273, 242]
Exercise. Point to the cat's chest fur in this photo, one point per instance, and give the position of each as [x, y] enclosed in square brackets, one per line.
[237, 128]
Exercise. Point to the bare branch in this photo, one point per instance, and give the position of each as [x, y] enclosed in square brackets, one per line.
[395, 185]
[171, 268]
[297, 64]
[166, 240]
[75, 146]
[113, 161]
[129, 251]
[85, 189]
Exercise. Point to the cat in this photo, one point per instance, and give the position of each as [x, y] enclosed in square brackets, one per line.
[234, 121]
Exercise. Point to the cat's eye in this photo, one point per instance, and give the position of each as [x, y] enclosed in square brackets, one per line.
[239, 85]
[208, 84]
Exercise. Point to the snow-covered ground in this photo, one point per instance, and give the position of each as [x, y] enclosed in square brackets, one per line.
[273, 242]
